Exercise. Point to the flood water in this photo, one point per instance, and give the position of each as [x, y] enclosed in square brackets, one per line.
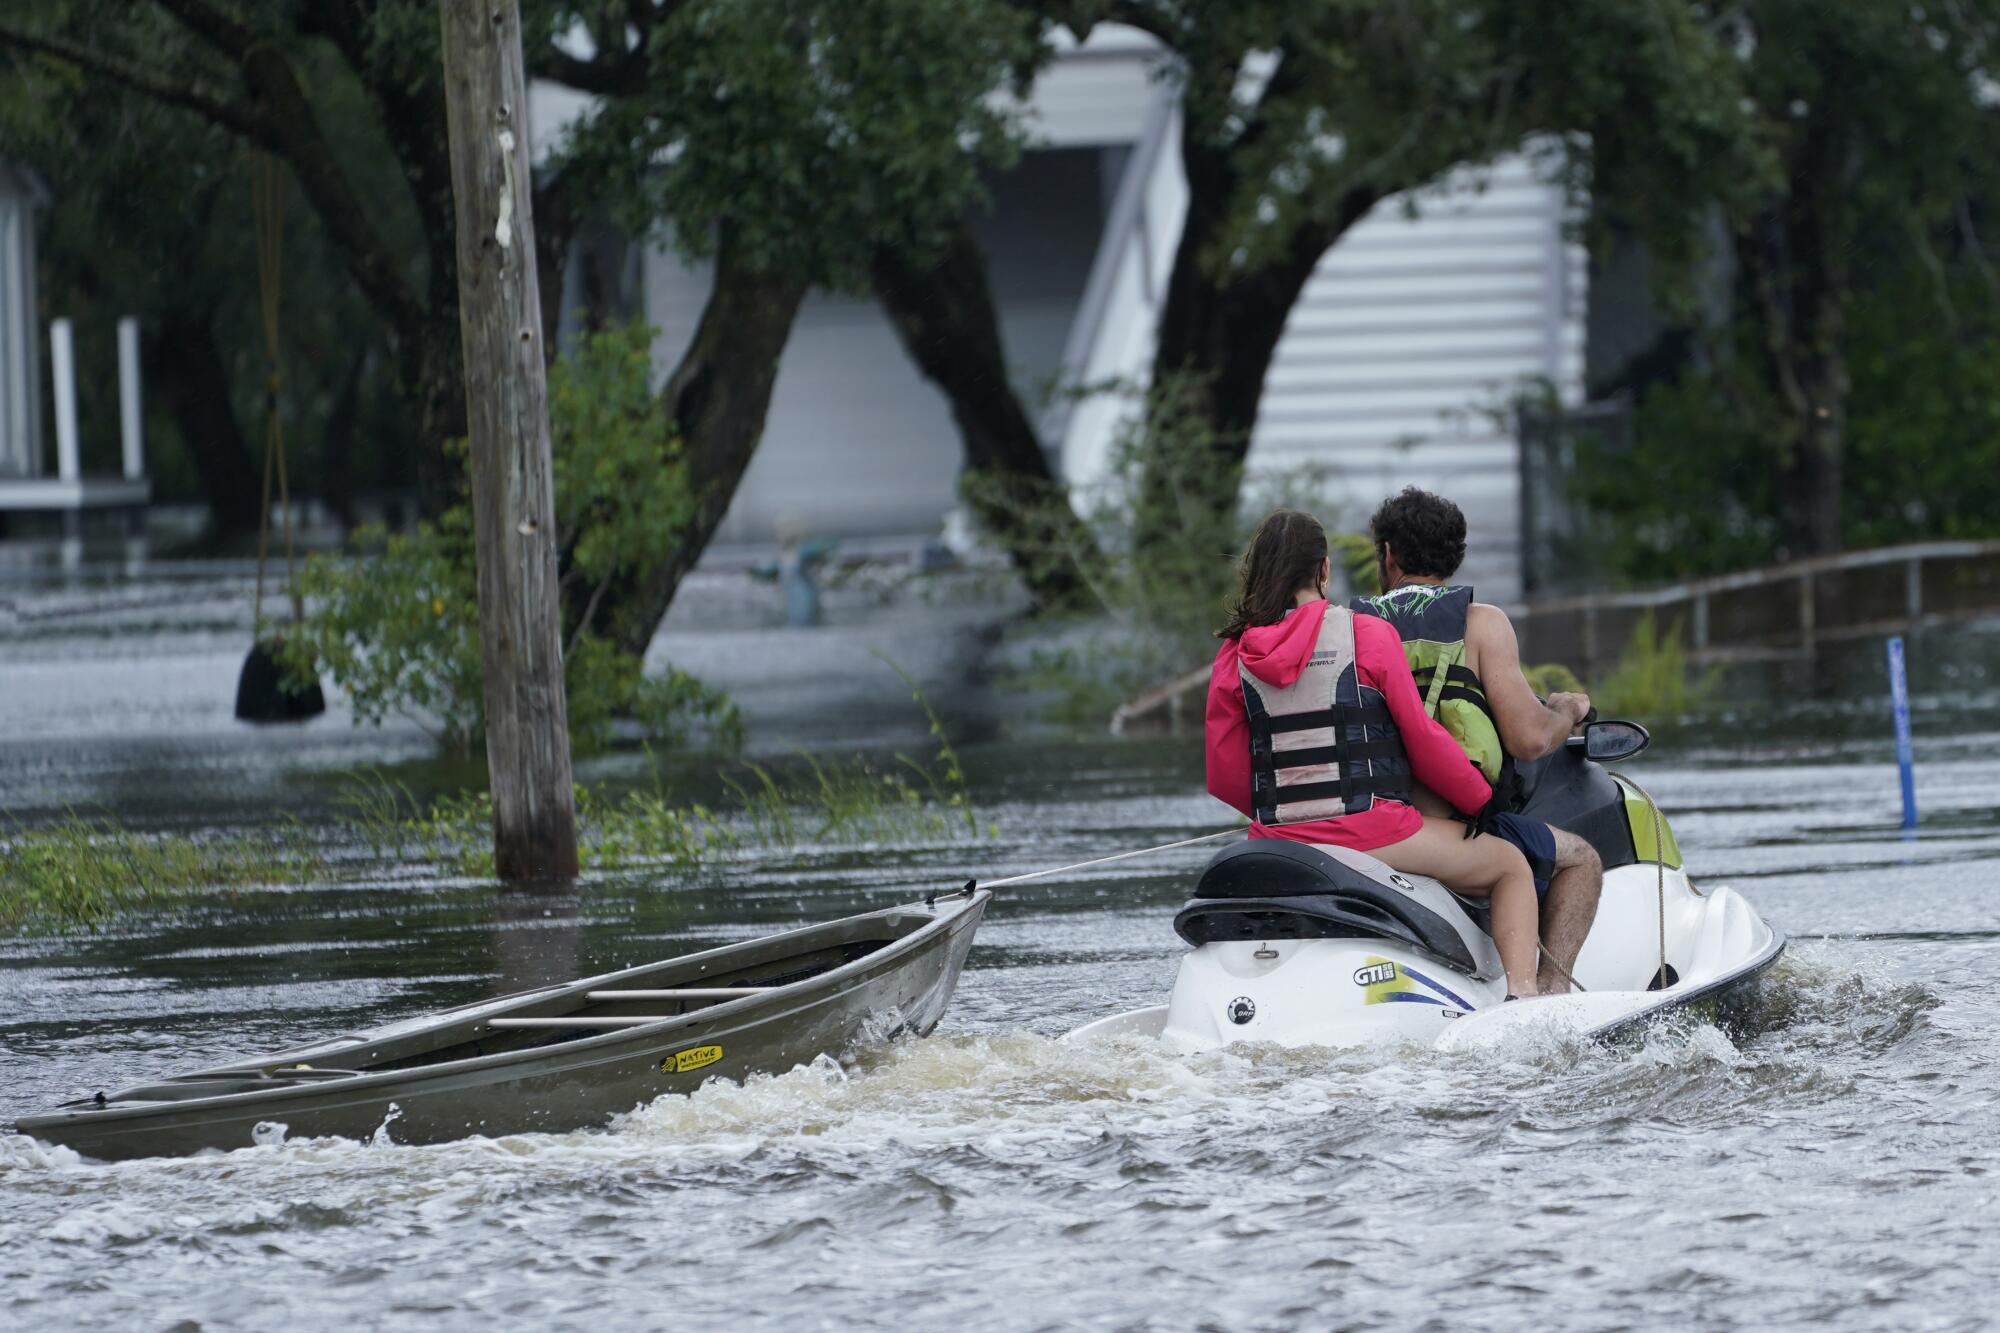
[1832, 1167]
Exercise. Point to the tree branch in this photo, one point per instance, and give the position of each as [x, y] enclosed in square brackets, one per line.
[219, 28]
[296, 136]
[620, 78]
[236, 116]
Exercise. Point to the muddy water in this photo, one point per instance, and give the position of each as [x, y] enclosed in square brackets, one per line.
[1833, 1167]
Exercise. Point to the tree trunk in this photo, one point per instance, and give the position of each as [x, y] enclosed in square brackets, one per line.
[717, 397]
[947, 321]
[1809, 482]
[506, 394]
[1795, 267]
[197, 388]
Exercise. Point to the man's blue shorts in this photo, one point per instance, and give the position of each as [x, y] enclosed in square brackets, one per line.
[1536, 841]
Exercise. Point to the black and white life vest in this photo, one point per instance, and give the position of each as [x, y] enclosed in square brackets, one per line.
[1323, 746]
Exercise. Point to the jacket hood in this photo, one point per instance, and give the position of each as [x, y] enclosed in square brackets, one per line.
[1277, 654]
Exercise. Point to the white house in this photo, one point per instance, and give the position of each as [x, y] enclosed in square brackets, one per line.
[1410, 333]
[21, 196]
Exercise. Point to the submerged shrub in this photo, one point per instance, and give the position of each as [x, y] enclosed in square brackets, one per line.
[840, 800]
[81, 872]
[399, 632]
[1653, 677]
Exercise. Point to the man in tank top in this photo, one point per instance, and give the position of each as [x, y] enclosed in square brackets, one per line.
[1468, 662]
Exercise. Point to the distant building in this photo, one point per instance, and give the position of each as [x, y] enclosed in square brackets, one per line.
[1410, 335]
[21, 195]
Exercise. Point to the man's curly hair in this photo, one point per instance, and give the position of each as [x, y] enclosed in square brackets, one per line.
[1427, 533]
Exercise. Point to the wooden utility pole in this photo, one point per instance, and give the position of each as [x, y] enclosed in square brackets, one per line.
[507, 410]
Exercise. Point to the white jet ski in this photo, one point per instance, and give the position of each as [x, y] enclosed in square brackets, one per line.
[1307, 945]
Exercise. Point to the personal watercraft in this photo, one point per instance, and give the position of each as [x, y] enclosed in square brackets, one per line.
[1308, 945]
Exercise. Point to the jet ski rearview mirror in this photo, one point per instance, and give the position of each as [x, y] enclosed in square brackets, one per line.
[1608, 742]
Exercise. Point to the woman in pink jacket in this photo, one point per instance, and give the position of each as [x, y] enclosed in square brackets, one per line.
[1315, 731]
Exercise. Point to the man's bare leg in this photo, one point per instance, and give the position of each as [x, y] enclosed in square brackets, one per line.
[1569, 907]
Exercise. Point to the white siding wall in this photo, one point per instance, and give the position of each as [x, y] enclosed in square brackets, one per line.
[1409, 341]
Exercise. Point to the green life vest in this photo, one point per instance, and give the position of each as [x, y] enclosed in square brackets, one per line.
[1431, 620]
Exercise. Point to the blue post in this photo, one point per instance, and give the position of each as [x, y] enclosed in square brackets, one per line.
[1899, 696]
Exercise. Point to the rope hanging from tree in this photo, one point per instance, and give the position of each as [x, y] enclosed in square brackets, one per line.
[266, 691]
[267, 203]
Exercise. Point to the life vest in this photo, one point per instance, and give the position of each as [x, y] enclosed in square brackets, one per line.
[1431, 620]
[1323, 746]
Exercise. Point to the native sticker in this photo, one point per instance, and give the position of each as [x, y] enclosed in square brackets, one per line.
[695, 1057]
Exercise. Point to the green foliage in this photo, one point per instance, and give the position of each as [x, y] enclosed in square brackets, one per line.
[1692, 493]
[1697, 491]
[1924, 418]
[1354, 553]
[1653, 677]
[622, 496]
[947, 784]
[818, 130]
[150, 216]
[81, 872]
[1369, 100]
[850, 801]
[1552, 678]
[1859, 348]
[399, 633]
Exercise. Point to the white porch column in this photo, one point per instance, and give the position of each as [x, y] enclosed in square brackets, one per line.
[131, 421]
[62, 363]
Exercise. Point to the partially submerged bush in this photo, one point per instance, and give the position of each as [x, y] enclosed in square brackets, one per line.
[399, 633]
[846, 801]
[80, 872]
[1653, 678]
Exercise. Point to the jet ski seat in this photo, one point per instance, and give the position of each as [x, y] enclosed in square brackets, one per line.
[1269, 889]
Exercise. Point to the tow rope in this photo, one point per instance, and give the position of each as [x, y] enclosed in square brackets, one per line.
[973, 884]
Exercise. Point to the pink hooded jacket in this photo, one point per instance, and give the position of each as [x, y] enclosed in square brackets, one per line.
[1277, 653]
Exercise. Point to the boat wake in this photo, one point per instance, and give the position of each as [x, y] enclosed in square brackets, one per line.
[1815, 1031]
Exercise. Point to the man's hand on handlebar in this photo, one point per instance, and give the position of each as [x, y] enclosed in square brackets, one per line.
[1575, 706]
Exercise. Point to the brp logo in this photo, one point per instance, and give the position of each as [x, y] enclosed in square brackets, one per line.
[1242, 1009]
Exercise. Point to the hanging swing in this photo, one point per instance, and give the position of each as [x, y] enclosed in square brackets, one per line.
[266, 691]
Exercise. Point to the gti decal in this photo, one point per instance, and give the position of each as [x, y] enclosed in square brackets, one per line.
[1384, 982]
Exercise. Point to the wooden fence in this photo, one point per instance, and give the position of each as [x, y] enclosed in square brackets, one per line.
[1780, 611]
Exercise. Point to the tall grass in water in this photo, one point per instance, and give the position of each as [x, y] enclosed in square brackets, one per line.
[80, 872]
[1653, 678]
[829, 801]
